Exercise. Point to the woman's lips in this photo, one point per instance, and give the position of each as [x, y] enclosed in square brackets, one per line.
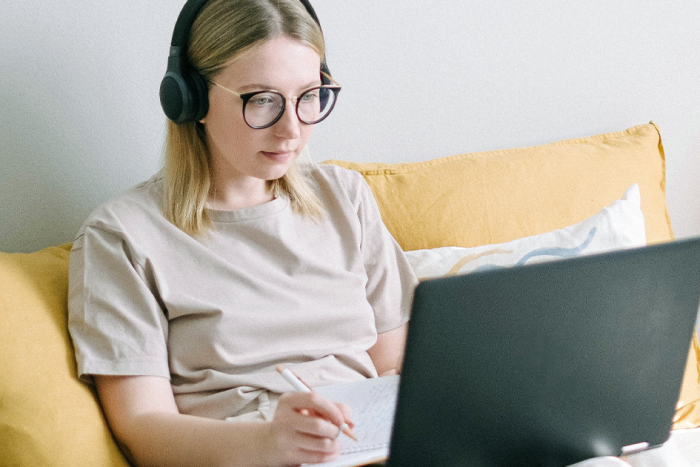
[282, 156]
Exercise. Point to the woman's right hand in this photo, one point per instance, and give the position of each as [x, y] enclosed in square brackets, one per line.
[144, 418]
[306, 429]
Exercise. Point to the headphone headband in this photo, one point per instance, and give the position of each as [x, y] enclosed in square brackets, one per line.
[185, 20]
[184, 94]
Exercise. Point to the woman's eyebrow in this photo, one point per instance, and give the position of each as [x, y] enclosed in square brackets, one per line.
[266, 87]
[316, 82]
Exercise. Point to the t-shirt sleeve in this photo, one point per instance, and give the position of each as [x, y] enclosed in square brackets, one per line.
[390, 279]
[115, 320]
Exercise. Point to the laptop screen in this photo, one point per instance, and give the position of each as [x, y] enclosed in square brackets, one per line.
[547, 364]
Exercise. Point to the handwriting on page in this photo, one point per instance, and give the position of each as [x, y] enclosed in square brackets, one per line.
[373, 403]
[373, 420]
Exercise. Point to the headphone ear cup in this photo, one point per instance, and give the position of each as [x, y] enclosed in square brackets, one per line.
[184, 96]
[199, 90]
[174, 96]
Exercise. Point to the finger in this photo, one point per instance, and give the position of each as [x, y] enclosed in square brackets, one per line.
[315, 425]
[347, 413]
[346, 428]
[317, 444]
[316, 403]
[304, 420]
[297, 456]
[315, 457]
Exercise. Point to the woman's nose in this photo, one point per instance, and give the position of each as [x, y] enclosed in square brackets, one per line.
[288, 125]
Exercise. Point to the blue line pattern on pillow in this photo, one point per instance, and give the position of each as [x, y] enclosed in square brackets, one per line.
[558, 252]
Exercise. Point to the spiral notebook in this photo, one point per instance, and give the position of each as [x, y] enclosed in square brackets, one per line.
[373, 403]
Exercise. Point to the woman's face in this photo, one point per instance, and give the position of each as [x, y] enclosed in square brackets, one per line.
[244, 155]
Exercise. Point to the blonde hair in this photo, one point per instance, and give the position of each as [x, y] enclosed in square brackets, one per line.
[223, 29]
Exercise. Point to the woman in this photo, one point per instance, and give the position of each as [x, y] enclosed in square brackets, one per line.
[188, 290]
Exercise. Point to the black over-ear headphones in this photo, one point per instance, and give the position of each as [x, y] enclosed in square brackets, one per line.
[184, 94]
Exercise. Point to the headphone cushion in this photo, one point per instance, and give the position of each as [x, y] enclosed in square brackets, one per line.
[173, 96]
[184, 98]
[200, 96]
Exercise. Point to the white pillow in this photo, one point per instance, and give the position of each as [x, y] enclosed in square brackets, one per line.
[620, 225]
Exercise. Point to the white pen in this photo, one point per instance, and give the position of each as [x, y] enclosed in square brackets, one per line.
[300, 386]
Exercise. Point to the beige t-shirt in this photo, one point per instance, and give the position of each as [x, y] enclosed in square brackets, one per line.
[216, 314]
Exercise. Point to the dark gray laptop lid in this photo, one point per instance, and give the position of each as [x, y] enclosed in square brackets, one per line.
[547, 364]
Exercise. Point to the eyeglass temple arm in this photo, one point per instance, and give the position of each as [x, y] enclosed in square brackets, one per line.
[226, 89]
[330, 78]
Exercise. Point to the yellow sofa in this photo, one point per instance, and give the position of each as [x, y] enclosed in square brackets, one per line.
[49, 418]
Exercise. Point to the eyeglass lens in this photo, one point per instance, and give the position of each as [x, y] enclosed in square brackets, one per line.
[264, 108]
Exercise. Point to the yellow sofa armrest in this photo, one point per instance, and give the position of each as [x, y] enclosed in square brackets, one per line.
[47, 417]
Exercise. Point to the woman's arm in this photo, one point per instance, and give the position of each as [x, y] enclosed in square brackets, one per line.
[144, 419]
[387, 352]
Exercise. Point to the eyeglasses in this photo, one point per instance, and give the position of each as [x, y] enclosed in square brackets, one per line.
[262, 109]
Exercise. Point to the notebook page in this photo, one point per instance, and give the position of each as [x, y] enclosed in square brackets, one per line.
[373, 403]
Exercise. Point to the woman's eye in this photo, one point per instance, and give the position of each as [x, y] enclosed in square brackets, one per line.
[263, 100]
[310, 96]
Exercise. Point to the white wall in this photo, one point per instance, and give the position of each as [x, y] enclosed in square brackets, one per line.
[81, 119]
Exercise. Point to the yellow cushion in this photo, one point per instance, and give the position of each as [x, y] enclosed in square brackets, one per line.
[47, 417]
[497, 196]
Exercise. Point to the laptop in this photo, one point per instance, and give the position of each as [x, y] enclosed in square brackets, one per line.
[547, 364]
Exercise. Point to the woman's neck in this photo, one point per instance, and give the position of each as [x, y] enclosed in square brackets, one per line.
[234, 196]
